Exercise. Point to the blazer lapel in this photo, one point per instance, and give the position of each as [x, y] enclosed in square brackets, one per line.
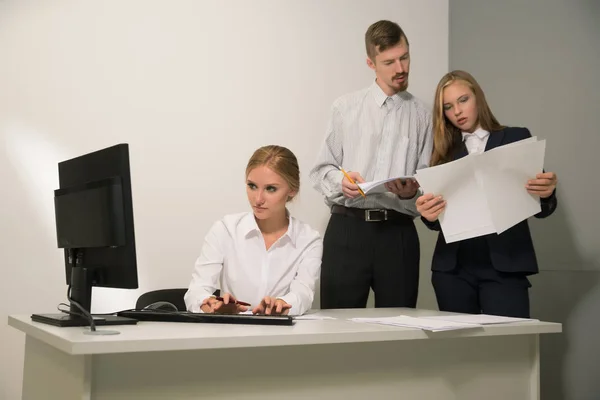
[460, 151]
[495, 139]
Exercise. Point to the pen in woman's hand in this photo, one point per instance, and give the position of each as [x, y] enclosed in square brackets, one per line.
[241, 303]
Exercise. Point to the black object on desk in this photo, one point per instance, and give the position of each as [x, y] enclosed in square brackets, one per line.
[184, 316]
[94, 227]
[66, 320]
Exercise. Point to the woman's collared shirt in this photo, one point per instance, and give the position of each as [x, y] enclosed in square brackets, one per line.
[234, 259]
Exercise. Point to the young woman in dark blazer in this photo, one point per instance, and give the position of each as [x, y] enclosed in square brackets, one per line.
[486, 274]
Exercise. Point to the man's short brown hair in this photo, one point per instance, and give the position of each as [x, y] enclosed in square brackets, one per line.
[381, 36]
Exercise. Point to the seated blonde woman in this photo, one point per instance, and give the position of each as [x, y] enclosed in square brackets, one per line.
[264, 260]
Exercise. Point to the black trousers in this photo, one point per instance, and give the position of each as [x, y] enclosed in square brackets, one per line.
[359, 255]
[475, 287]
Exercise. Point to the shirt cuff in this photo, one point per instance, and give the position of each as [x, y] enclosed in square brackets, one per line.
[195, 308]
[335, 178]
[408, 198]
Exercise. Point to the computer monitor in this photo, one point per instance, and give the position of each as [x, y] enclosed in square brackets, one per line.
[94, 226]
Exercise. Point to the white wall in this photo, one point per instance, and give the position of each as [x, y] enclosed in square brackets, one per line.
[194, 87]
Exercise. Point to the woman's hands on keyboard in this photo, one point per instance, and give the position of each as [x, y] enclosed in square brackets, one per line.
[226, 306]
[272, 306]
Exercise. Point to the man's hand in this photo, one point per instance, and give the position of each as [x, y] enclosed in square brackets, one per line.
[404, 188]
[350, 189]
[272, 306]
[543, 185]
[430, 206]
[211, 305]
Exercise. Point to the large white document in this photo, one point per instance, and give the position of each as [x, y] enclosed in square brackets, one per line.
[485, 193]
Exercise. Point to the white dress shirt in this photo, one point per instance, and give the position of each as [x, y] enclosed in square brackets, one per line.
[234, 259]
[378, 136]
[476, 141]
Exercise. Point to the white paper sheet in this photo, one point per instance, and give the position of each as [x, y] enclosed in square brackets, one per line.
[379, 186]
[504, 174]
[312, 317]
[467, 213]
[485, 193]
[418, 323]
[481, 319]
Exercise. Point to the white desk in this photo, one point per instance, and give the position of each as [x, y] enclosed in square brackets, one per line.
[326, 359]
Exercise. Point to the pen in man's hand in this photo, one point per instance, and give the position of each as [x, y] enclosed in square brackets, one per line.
[351, 181]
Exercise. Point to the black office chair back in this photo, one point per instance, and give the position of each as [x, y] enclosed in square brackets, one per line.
[173, 296]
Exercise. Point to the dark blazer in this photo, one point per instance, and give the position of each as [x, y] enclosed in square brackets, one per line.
[510, 251]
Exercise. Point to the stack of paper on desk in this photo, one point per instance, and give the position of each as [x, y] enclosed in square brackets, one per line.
[420, 323]
[442, 322]
[379, 185]
[479, 319]
[485, 193]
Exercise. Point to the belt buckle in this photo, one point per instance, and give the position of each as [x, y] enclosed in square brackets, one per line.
[370, 218]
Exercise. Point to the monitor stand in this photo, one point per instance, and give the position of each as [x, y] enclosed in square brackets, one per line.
[66, 320]
[81, 292]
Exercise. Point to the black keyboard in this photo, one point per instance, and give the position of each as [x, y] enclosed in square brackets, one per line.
[184, 316]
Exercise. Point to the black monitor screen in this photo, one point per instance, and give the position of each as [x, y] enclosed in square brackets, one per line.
[94, 214]
[94, 227]
[90, 215]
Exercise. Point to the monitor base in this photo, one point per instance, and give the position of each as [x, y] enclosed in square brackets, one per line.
[66, 320]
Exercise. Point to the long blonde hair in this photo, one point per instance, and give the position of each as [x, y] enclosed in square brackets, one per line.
[445, 135]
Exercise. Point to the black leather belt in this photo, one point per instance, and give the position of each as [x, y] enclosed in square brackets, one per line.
[371, 215]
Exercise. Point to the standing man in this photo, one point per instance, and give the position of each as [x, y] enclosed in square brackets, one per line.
[376, 133]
